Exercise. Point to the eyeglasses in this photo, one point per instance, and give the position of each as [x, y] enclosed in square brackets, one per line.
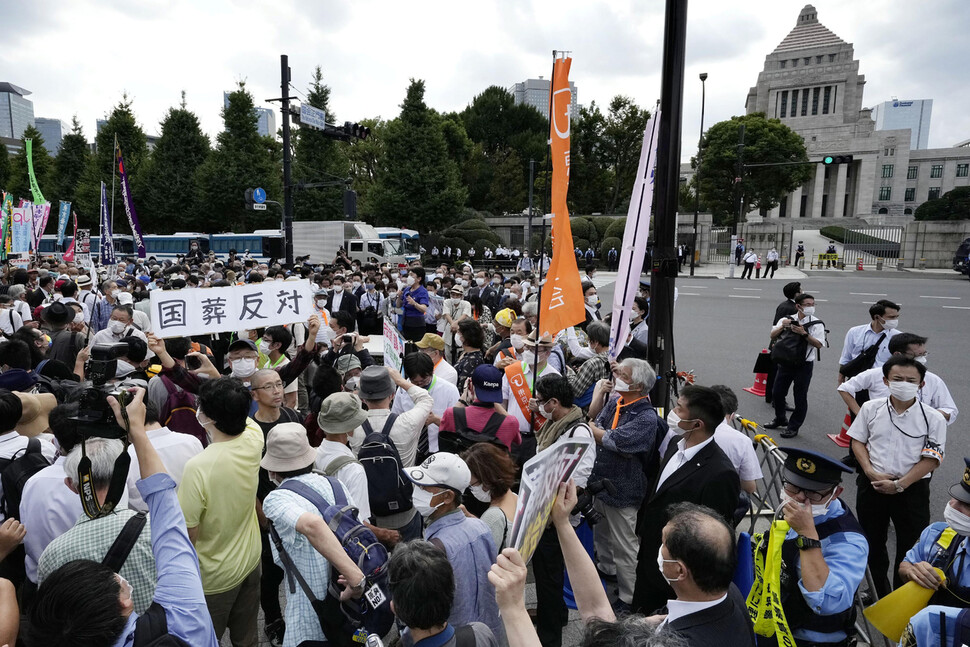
[276, 386]
[811, 495]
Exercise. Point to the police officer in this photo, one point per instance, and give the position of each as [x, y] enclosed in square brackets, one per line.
[942, 545]
[824, 554]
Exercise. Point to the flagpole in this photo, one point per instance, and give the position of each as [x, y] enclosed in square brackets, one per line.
[114, 170]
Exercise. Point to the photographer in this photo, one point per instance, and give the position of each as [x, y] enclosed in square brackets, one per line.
[84, 598]
[346, 341]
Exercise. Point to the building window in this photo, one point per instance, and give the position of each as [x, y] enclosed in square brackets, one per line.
[936, 171]
[808, 60]
[889, 152]
[885, 192]
[907, 211]
[887, 170]
[831, 58]
[912, 172]
[910, 195]
[794, 103]
[934, 193]
[963, 170]
[804, 102]
[782, 64]
[794, 62]
[815, 93]
[826, 98]
[818, 59]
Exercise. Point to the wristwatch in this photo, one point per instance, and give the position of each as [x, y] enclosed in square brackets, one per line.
[805, 543]
[899, 488]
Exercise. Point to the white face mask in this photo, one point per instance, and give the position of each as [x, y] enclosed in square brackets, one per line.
[546, 413]
[391, 294]
[922, 359]
[526, 285]
[507, 292]
[356, 284]
[204, 422]
[903, 391]
[620, 386]
[338, 288]
[818, 509]
[592, 300]
[479, 493]
[808, 310]
[890, 324]
[243, 367]
[385, 280]
[421, 499]
[321, 303]
[479, 282]
[79, 318]
[409, 280]
[660, 565]
[459, 341]
[956, 520]
[116, 327]
[123, 368]
[517, 341]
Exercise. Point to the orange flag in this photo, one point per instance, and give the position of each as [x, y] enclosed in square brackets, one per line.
[562, 293]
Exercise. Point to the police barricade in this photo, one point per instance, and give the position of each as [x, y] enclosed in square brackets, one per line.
[766, 499]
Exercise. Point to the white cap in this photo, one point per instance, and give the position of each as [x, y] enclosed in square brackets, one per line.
[442, 470]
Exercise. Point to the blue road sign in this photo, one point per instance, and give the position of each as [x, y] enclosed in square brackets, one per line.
[259, 195]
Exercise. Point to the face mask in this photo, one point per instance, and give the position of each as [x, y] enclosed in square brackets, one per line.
[321, 303]
[818, 509]
[356, 284]
[507, 292]
[458, 340]
[352, 383]
[243, 368]
[808, 310]
[116, 327]
[660, 565]
[956, 520]
[123, 368]
[385, 280]
[391, 294]
[891, 324]
[903, 391]
[204, 423]
[526, 285]
[127, 590]
[369, 287]
[112, 293]
[518, 341]
[497, 282]
[592, 300]
[421, 499]
[546, 413]
[338, 289]
[409, 280]
[479, 282]
[922, 359]
[620, 386]
[464, 283]
[479, 493]
[79, 318]
[634, 316]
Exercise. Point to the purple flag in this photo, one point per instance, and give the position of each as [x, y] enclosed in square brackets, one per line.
[129, 205]
[107, 250]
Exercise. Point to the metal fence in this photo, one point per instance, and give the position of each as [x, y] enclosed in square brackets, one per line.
[720, 249]
[872, 244]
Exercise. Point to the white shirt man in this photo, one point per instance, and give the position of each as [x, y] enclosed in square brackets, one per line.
[175, 450]
[339, 414]
[444, 394]
[933, 393]
[772, 255]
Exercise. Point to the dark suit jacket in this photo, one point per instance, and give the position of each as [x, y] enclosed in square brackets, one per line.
[726, 624]
[348, 302]
[707, 479]
[785, 309]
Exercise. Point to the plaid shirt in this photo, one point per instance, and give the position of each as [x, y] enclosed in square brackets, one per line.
[91, 539]
[594, 369]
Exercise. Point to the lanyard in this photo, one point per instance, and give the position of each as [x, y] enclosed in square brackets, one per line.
[619, 405]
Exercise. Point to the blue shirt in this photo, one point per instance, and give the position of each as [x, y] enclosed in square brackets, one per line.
[925, 550]
[471, 551]
[846, 555]
[179, 586]
[420, 295]
[617, 457]
[100, 314]
[925, 625]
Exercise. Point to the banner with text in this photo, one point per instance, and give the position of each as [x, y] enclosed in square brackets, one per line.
[562, 303]
[69, 253]
[393, 346]
[541, 476]
[20, 229]
[204, 311]
[129, 205]
[634, 247]
[107, 251]
[63, 213]
[34, 187]
[41, 213]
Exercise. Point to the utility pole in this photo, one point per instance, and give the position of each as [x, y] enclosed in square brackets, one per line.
[697, 192]
[660, 352]
[287, 189]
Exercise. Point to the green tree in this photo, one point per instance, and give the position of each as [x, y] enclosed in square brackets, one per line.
[420, 184]
[589, 177]
[71, 163]
[953, 205]
[242, 159]
[318, 158]
[366, 163]
[508, 191]
[173, 204]
[765, 141]
[4, 167]
[43, 168]
[622, 139]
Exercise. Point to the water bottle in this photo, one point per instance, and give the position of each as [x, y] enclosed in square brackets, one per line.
[373, 640]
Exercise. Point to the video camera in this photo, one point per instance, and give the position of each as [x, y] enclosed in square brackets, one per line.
[584, 503]
[95, 417]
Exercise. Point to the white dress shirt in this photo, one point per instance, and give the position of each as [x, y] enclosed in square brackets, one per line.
[934, 392]
[818, 332]
[858, 338]
[407, 428]
[445, 371]
[175, 450]
[680, 459]
[48, 509]
[896, 442]
[739, 450]
[445, 396]
[677, 609]
[352, 475]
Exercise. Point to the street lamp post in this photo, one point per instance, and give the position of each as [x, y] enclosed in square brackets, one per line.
[697, 194]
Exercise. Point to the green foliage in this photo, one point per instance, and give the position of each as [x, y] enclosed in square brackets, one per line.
[607, 244]
[953, 205]
[508, 191]
[616, 228]
[4, 168]
[242, 159]
[622, 140]
[318, 158]
[365, 163]
[765, 141]
[470, 231]
[843, 235]
[172, 202]
[420, 184]
[19, 184]
[601, 224]
[536, 240]
[589, 177]
[582, 229]
[71, 163]
[581, 243]
[834, 233]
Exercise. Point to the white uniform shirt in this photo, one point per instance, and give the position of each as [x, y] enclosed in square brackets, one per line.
[48, 509]
[896, 442]
[511, 404]
[818, 332]
[934, 392]
[739, 450]
[352, 475]
[858, 338]
[445, 396]
[175, 449]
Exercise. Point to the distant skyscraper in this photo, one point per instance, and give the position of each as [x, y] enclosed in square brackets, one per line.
[914, 114]
[535, 92]
[266, 118]
[99, 124]
[16, 112]
[52, 132]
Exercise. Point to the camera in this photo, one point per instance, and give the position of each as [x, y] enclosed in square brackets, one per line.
[584, 503]
[95, 417]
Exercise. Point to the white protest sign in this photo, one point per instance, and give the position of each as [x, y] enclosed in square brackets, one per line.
[393, 346]
[541, 476]
[204, 311]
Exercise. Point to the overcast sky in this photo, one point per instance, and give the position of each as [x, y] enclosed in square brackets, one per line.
[79, 57]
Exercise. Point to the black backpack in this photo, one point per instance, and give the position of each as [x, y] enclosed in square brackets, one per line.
[151, 629]
[462, 438]
[388, 488]
[790, 349]
[15, 471]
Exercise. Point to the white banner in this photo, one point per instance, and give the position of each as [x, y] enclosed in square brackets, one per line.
[204, 311]
[393, 346]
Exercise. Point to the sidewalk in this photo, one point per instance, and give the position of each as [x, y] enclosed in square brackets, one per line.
[711, 271]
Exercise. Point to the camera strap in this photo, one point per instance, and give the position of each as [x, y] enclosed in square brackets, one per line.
[119, 476]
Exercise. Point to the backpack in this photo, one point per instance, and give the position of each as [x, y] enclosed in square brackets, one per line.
[462, 438]
[389, 489]
[791, 349]
[15, 471]
[178, 411]
[151, 629]
[345, 622]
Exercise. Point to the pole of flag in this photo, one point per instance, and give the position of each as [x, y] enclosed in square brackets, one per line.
[114, 171]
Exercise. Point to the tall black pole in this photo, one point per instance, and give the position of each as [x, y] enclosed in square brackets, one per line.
[532, 181]
[665, 264]
[697, 193]
[287, 189]
[740, 179]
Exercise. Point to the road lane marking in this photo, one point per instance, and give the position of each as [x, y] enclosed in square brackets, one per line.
[696, 287]
[868, 294]
[689, 294]
[743, 296]
[957, 307]
[749, 289]
[928, 297]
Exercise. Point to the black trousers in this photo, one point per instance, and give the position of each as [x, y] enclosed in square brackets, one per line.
[785, 376]
[746, 272]
[909, 512]
[269, 582]
[551, 612]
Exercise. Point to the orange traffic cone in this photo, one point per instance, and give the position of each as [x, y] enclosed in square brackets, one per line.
[842, 438]
[760, 381]
[858, 265]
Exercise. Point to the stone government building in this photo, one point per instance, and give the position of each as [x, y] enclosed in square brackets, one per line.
[811, 82]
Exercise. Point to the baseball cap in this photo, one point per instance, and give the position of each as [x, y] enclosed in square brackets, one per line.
[442, 470]
[242, 344]
[431, 340]
[505, 317]
[488, 383]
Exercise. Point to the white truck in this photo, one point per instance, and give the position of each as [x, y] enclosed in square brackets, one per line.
[320, 240]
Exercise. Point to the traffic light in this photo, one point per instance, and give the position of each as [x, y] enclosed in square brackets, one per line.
[833, 160]
[356, 130]
[350, 204]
